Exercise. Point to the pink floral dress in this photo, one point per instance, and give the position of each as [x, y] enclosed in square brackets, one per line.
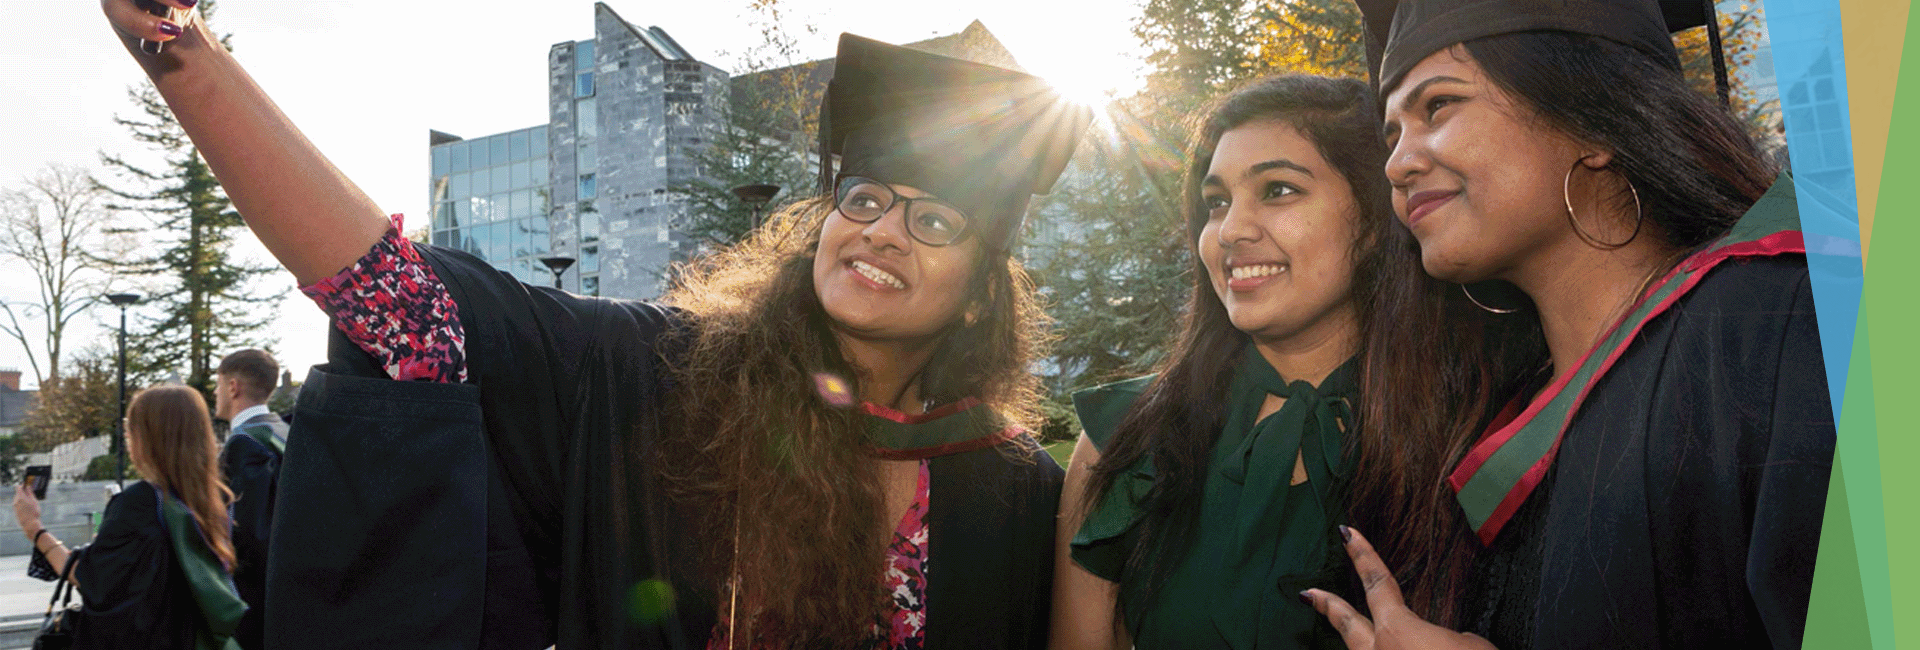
[391, 304]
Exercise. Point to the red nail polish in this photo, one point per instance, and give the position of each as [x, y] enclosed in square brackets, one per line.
[170, 29]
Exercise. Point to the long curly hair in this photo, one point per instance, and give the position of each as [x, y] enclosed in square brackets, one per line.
[176, 451]
[783, 484]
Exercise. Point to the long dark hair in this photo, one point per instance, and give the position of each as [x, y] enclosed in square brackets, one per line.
[178, 454]
[1695, 168]
[1405, 438]
[756, 455]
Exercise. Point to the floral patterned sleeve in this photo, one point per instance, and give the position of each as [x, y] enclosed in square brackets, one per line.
[392, 305]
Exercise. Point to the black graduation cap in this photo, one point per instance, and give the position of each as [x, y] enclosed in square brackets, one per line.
[982, 138]
[1402, 32]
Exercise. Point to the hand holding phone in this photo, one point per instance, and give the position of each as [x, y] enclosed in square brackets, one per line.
[38, 476]
[157, 9]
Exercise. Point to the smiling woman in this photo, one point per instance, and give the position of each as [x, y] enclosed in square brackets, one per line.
[485, 463]
[1662, 463]
[1202, 500]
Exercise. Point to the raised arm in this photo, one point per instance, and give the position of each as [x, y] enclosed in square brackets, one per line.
[314, 220]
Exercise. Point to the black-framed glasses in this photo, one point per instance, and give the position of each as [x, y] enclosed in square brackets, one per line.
[929, 220]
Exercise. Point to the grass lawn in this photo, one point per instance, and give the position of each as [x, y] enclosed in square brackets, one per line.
[1060, 450]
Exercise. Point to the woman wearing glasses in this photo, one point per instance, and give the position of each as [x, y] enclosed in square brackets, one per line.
[818, 444]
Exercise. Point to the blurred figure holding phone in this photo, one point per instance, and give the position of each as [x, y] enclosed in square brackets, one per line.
[156, 574]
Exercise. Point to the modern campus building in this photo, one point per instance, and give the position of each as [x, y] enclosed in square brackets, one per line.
[626, 110]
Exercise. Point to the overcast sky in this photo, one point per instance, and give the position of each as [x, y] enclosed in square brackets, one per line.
[366, 79]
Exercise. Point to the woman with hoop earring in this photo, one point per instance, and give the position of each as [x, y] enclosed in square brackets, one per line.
[1658, 478]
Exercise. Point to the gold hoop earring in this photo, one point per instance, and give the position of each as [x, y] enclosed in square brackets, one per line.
[1477, 303]
[1639, 216]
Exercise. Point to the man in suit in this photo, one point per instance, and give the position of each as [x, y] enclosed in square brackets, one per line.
[251, 460]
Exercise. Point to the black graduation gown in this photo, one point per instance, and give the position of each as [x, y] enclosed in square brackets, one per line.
[514, 511]
[135, 593]
[1684, 507]
[249, 467]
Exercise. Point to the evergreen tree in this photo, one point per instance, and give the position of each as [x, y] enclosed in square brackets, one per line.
[199, 299]
[763, 134]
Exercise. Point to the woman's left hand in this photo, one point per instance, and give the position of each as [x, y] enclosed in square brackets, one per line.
[26, 510]
[1393, 626]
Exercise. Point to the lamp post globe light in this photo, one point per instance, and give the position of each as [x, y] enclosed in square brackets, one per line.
[558, 266]
[123, 301]
[757, 196]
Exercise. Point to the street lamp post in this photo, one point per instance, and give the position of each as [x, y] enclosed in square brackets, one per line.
[557, 265]
[123, 301]
[756, 196]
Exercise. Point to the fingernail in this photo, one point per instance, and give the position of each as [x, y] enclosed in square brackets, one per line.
[1306, 597]
[1346, 533]
[170, 29]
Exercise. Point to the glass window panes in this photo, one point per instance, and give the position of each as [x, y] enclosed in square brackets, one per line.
[498, 144]
[443, 216]
[516, 239]
[439, 188]
[587, 186]
[589, 259]
[463, 212]
[473, 240]
[586, 113]
[542, 201]
[497, 242]
[462, 185]
[457, 157]
[441, 158]
[589, 158]
[583, 84]
[517, 145]
[538, 231]
[479, 155]
[520, 204]
[583, 55]
[482, 182]
[444, 238]
[502, 180]
[522, 175]
[590, 286]
[589, 226]
[539, 143]
[540, 171]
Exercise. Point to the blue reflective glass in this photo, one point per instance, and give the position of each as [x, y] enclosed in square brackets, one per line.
[589, 259]
[583, 84]
[539, 143]
[502, 178]
[441, 159]
[517, 145]
[583, 55]
[522, 175]
[587, 187]
[498, 144]
[457, 154]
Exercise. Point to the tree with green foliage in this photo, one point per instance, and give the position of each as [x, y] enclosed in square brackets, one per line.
[199, 299]
[82, 402]
[762, 137]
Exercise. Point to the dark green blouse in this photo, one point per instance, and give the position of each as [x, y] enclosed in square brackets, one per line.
[1260, 539]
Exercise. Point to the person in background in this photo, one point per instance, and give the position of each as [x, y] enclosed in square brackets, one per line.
[251, 461]
[156, 575]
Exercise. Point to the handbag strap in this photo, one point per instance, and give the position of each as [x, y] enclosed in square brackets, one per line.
[63, 590]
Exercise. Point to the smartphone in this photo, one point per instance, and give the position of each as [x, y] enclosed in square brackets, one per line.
[38, 476]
